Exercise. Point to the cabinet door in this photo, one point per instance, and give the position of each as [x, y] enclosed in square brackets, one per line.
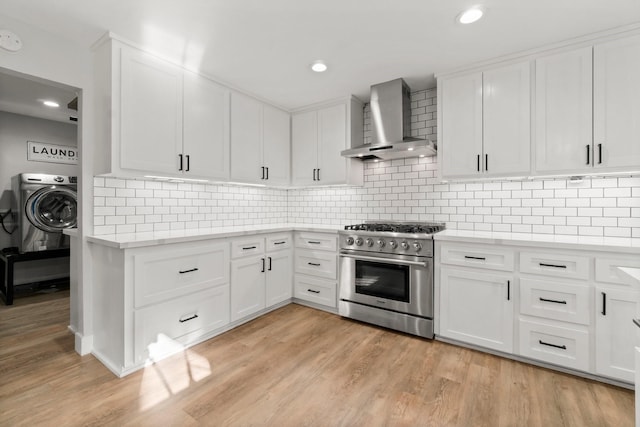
[332, 139]
[247, 287]
[279, 277]
[150, 113]
[246, 139]
[206, 128]
[614, 333]
[304, 147]
[564, 111]
[477, 308]
[506, 98]
[461, 107]
[276, 145]
[616, 74]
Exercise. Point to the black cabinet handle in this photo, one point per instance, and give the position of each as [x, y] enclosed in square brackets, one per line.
[262, 271]
[267, 173]
[588, 154]
[318, 174]
[195, 316]
[269, 263]
[636, 322]
[280, 243]
[599, 153]
[475, 257]
[562, 347]
[313, 242]
[248, 247]
[313, 291]
[187, 271]
[315, 264]
[486, 162]
[262, 172]
[180, 157]
[314, 174]
[188, 162]
[478, 163]
[552, 300]
[542, 264]
[604, 303]
[508, 290]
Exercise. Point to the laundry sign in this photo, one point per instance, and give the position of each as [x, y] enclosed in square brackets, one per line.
[51, 153]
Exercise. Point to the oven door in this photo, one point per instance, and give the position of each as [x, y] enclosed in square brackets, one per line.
[398, 283]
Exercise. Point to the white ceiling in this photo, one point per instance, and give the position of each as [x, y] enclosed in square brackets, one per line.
[265, 46]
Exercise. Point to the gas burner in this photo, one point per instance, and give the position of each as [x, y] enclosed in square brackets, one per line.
[408, 228]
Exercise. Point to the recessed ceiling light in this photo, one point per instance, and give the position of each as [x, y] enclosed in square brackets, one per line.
[470, 15]
[319, 66]
[51, 104]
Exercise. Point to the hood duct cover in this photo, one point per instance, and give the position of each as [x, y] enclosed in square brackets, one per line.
[391, 125]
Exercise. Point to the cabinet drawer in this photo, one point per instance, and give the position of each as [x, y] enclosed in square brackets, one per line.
[555, 300]
[316, 263]
[315, 290]
[247, 247]
[163, 328]
[317, 241]
[607, 269]
[166, 273]
[558, 345]
[278, 242]
[555, 264]
[477, 256]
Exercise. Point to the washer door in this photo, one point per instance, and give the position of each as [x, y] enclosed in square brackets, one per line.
[53, 209]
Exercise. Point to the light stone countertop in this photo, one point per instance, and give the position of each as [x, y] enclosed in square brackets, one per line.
[136, 240]
[555, 241]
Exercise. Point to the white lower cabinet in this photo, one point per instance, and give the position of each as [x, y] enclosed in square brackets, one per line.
[477, 307]
[261, 273]
[615, 331]
[316, 269]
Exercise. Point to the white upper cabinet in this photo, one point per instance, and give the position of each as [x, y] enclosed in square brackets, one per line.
[150, 113]
[260, 141]
[155, 118]
[563, 111]
[616, 96]
[485, 123]
[206, 128]
[319, 135]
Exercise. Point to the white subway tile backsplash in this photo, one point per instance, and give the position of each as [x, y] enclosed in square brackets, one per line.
[402, 189]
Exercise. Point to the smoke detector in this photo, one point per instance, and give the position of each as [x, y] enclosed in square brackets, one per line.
[10, 41]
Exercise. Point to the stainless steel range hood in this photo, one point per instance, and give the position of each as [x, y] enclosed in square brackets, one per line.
[391, 125]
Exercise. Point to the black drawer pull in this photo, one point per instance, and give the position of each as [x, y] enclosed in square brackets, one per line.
[195, 316]
[552, 300]
[187, 271]
[481, 258]
[315, 264]
[313, 291]
[542, 264]
[604, 303]
[248, 247]
[280, 243]
[508, 290]
[313, 242]
[561, 347]
[636, 322]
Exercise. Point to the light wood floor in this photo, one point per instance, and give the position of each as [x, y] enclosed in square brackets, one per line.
[293, 367]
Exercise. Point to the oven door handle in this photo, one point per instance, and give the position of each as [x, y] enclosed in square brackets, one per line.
[390, 260]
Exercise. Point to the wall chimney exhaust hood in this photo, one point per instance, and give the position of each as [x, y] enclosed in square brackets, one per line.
[391, 120]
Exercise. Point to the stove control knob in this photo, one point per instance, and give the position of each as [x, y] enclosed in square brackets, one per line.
[381, 243]
[393, 244]
[369, 242]
[417, 246]
[404, 245]
[359, 241]
[350, 240]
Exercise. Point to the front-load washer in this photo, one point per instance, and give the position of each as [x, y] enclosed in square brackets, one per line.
[45, 205]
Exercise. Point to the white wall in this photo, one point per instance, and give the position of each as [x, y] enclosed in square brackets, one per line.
[55, 59]
[15, 131]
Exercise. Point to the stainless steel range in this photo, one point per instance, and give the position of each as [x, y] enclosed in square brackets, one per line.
[386, 275]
